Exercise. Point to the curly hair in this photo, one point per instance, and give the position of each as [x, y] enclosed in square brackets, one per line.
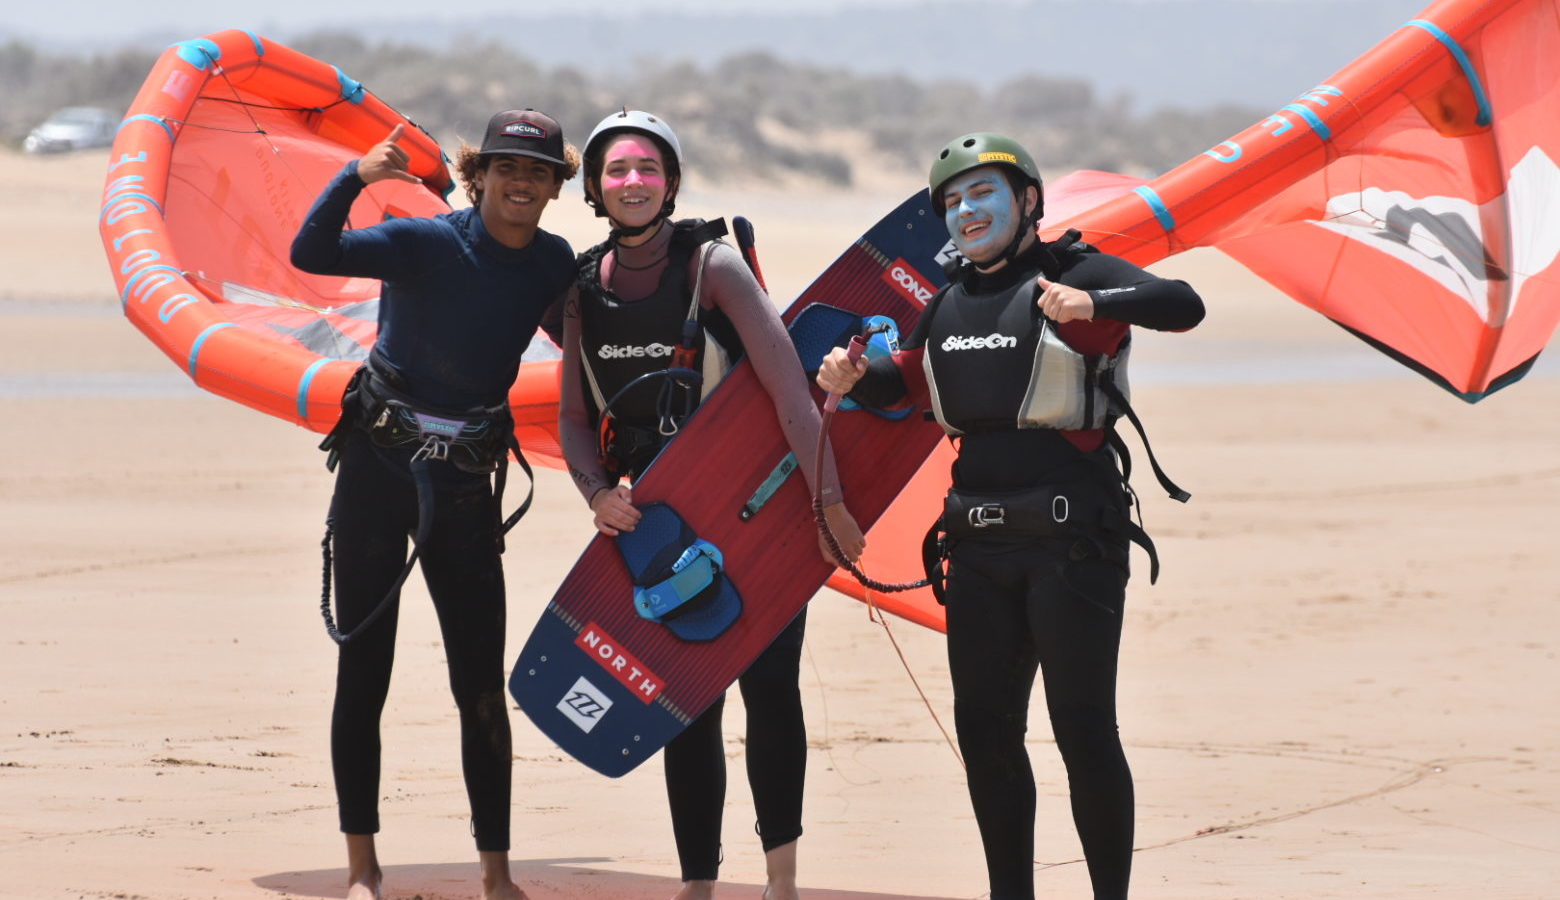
[468, 163]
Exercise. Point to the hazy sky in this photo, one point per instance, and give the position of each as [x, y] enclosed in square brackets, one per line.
[100, 22]
[1201, 53]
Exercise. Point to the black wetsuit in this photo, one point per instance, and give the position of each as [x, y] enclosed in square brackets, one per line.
[1018, 604]
[457, 312]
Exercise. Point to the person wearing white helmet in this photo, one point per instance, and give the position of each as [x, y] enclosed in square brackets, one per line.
[1024, 357]
[659, 294]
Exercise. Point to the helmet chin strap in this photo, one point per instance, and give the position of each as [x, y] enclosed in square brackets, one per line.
[619, 230]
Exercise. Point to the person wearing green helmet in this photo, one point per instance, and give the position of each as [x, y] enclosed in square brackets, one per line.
[657, 298]
[1024, 357]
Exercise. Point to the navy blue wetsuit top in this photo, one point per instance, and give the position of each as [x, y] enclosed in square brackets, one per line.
[458, 308]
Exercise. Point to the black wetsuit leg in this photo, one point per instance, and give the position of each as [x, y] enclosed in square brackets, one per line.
[372, 511]
[695, 761]
[466, 581]
[1013, 608]
[777, 736]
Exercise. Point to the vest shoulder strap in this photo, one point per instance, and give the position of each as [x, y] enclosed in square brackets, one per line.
[693, 232]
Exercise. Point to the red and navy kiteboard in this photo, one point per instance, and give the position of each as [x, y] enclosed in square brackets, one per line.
[733, 528]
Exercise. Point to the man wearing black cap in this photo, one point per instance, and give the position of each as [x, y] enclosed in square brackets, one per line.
[463, 293]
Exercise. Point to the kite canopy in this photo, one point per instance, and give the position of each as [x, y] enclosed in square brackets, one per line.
[1413, 198]
[226, 146]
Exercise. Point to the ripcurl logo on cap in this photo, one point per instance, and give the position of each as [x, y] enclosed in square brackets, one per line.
[525, 130]
[995, 156]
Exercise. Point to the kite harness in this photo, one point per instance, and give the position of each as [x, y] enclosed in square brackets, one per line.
[478, 440]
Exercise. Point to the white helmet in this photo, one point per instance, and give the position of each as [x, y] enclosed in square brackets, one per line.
[634, 120]
[641, 122]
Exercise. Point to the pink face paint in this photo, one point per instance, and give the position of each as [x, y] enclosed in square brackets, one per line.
[633, 160]
[633, 180]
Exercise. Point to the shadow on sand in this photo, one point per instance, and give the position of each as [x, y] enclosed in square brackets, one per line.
[542, 879]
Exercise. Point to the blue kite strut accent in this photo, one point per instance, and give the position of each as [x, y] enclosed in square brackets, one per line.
[351, 89]
[305, 381]
[259, 47]
[1486, 113]
[201, 339]
[199, 52]
[1161, 211]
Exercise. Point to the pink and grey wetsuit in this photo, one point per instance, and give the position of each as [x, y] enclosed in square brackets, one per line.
[695, 760]
[729, 293]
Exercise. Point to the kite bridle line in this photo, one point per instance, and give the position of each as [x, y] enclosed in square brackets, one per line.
[248, 106]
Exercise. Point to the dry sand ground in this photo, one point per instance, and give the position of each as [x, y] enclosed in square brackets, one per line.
[1344, 686]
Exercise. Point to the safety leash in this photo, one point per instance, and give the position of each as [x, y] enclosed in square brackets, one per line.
[858, 345]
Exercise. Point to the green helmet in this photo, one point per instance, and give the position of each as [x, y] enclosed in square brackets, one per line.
[982, 148]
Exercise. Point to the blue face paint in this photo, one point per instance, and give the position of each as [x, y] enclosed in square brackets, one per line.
[981, 213]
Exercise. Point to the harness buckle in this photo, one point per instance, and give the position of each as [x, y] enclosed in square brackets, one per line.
[1060, 509]
[434, 447]
[987, 514]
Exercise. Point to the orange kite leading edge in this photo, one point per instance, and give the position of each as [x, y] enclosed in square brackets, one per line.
[225, 147]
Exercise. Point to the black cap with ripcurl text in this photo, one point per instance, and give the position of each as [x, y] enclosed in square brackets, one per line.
[524, 132]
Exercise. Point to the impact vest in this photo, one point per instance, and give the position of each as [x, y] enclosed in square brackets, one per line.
[624, 341]
[994, 363]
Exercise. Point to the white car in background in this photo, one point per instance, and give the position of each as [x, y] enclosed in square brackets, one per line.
[73, 128]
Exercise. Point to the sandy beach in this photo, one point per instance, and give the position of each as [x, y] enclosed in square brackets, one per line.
[1344, 685]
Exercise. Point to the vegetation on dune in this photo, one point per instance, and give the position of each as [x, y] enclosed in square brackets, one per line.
[749, 115]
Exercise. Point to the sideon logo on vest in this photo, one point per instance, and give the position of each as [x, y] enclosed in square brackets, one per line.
[634, 351]
[905, 279]
[991, 341]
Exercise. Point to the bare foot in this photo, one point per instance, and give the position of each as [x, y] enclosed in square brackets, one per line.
[506, 891]
[365, 880]
[780, 864]
[496, 881]
[366, 888]
[695, 890]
